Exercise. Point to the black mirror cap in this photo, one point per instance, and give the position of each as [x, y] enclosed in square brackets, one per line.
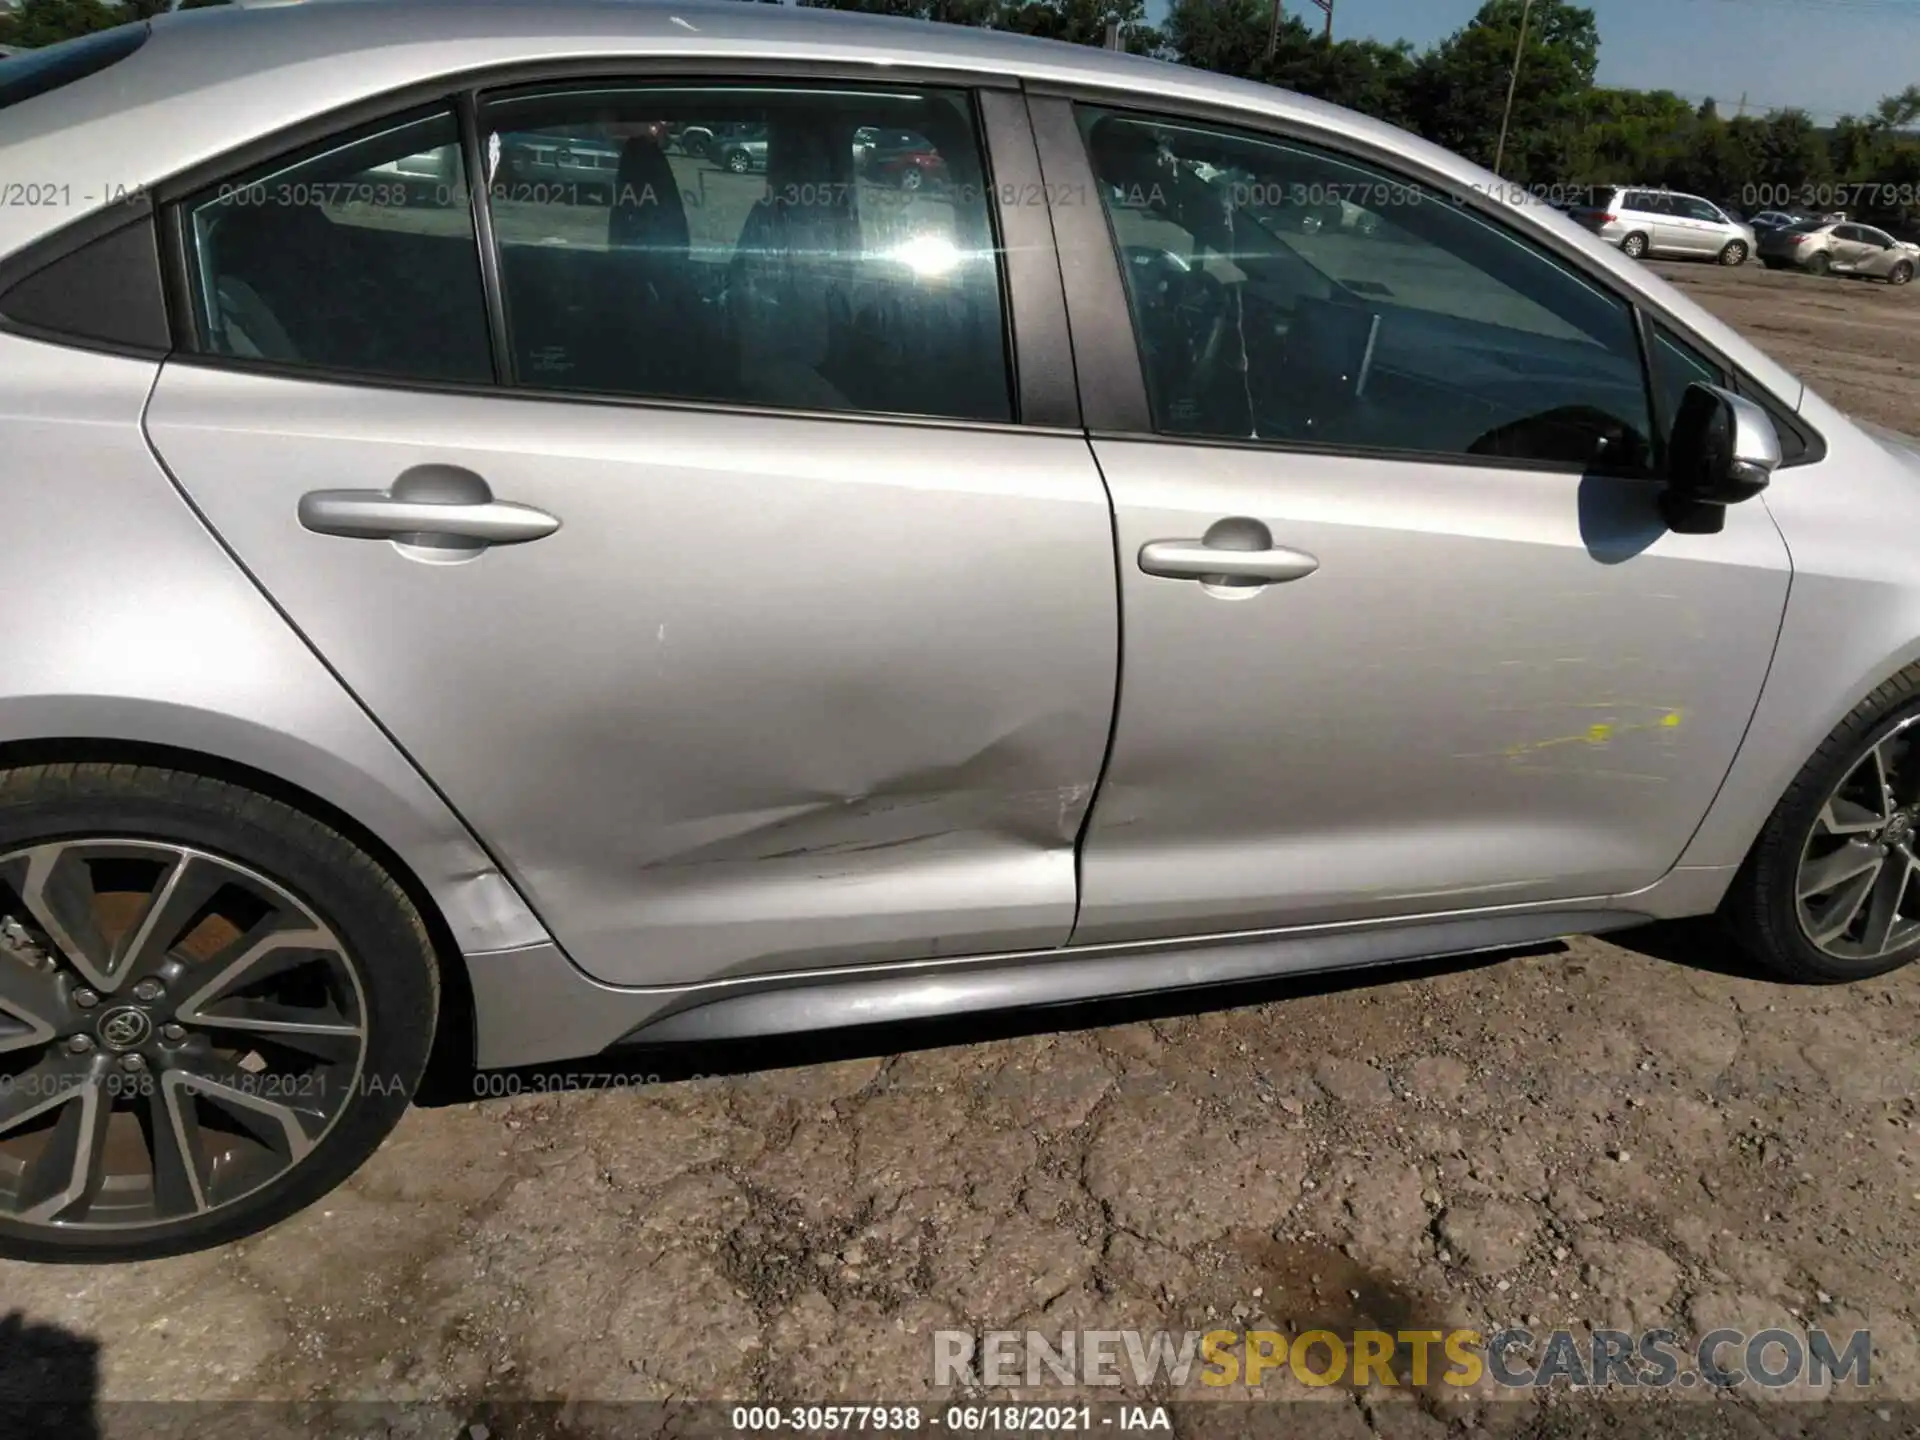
[1723, 450]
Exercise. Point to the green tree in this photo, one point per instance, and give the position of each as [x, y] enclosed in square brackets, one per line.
[1083, 22]
[1458, 90]
[1226, 36]
[1362, 75]
[952, 12]
[47, 22]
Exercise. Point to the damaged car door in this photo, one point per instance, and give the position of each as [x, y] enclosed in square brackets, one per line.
[702, 557]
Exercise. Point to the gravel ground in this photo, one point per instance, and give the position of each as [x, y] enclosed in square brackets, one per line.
[1635, 1134]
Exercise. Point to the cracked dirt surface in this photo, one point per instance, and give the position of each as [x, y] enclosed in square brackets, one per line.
[1634, 1134]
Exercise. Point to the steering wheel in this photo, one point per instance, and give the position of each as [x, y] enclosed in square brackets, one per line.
[1188, 314]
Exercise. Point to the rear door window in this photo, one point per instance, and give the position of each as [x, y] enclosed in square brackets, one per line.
[793, 247]
[358, 257]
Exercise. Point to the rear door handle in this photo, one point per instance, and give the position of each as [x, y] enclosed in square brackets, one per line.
[1211, 561]
[434, 506]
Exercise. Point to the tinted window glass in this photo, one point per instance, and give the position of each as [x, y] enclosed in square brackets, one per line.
[800, 248]
[1283, 293]
[1677, 365]
[35, 72]
[359, 258]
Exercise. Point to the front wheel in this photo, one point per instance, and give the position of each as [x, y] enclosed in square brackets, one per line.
[1634, 247]
[739, 162]
[1900, 274]
[213, 1008]
[1828, 893]
[1735, 253]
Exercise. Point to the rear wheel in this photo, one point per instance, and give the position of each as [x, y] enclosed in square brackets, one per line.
[1818, 264]
[212, 1009]
[1831, 890]
[1634, 247]
[1901, 273]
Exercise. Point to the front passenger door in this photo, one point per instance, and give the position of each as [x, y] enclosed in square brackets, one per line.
[1404, 631]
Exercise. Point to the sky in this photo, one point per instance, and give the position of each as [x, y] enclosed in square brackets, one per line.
[1830, 57]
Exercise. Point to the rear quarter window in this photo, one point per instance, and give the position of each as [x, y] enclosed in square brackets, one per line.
[35, 72]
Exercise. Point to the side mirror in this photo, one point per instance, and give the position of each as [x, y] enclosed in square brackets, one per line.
[1723, 450]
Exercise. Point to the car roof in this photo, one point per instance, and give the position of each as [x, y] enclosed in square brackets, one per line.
[211, 80]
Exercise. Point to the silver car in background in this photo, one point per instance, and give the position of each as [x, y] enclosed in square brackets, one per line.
[1666, 223]
[503, 627]
[1848, 248]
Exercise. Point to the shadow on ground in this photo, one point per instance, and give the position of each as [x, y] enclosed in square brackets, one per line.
[49, 1378]
[1700, 944]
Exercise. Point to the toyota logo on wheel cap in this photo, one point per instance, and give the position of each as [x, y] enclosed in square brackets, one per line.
[124, 1027]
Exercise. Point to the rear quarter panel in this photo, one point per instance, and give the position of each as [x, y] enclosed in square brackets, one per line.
[127, 622]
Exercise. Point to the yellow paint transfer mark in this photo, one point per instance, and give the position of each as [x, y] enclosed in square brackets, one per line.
[1601, 732]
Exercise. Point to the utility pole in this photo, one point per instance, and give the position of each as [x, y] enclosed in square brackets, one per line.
[1113, 34]
[1743, 106]
[1327, 5]
[1273, 31]
[1513, 81]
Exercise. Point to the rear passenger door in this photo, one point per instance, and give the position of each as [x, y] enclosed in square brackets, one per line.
[688, 527]
[1850, 247]
[1671, 232]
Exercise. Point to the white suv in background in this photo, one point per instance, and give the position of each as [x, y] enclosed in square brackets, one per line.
[1665, 222]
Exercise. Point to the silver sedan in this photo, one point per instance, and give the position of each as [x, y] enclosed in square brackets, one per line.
[453, 616]
[1843, 248]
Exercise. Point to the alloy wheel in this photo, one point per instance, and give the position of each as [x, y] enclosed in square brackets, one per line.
[1855, 889]
[177, 1032]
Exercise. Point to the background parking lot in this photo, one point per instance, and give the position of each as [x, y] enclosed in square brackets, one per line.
[1636, 1134]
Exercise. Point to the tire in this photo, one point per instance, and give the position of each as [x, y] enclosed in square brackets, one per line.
[738, 162]
[1634, 247]
[1735, 253]
[287, 1124]
[1823, 821]
[1901, 273]
[1818, 264]
[911, 180]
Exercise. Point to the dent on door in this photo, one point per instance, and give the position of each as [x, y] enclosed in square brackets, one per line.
[776, 693]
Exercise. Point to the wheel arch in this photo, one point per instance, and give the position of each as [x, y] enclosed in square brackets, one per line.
[454, 1041]
[1769, 763]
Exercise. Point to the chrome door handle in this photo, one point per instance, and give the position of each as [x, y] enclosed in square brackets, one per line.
[433, 506]
[1197, 560]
